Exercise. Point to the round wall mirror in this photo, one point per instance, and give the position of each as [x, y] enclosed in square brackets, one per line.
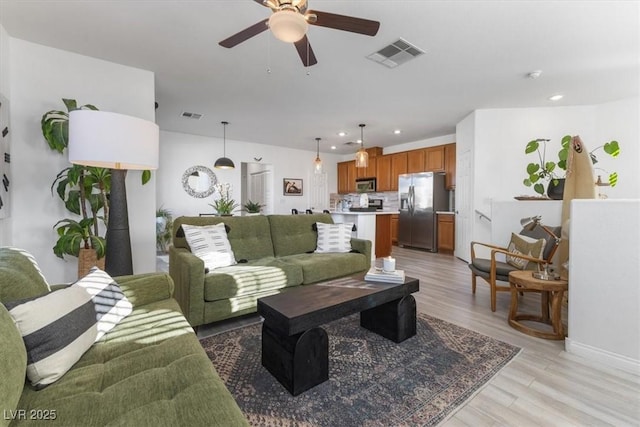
[199, 181]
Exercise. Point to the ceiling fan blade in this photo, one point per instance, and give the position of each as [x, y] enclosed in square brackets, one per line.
[245, 34]
[306, 52]
[345, 23]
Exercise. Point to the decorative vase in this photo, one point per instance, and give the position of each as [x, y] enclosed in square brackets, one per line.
[554, 191]
[87, 258]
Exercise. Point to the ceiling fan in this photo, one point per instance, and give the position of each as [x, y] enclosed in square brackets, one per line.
[290, 21]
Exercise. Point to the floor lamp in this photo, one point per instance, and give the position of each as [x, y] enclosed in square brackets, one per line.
[121, 143]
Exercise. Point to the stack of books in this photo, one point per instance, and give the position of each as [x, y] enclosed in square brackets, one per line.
[376, 274]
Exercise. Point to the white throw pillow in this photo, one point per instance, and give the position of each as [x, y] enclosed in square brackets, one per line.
[334, 237]
[110, 303]
[57, 329]
[210, 244]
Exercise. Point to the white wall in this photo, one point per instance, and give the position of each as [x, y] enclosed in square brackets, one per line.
[5, 88]
[604, 282]
[180, 151]
[429, 142]
[40, 77]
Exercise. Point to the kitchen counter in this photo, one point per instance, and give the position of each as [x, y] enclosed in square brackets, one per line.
[445, 213]
[365, 224]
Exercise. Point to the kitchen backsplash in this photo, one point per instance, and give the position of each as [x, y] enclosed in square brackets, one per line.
[390, 201]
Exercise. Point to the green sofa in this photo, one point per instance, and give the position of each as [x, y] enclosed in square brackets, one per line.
[149, 370]
[274, 252]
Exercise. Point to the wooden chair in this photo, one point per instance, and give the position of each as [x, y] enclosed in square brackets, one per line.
[493, 271]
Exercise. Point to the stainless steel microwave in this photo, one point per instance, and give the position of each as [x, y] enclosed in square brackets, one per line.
[365, 185]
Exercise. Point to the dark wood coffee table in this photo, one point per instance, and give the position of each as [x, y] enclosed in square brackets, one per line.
[295, 349]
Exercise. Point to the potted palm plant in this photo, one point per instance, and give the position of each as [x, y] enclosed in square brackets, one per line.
[84, 191]
[164, 227]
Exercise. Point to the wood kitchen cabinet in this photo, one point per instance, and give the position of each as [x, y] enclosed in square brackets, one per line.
[398, 167]
[347, 177]
[434, 159]
[394, 228]
[383, 235]
[369, 171]
[450, 166]
[416, 161]
[383, 173]
[446, 233]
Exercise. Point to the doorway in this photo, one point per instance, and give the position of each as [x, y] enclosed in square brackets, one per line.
[257, 185]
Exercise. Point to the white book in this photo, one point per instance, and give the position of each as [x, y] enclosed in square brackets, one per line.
[378, 275]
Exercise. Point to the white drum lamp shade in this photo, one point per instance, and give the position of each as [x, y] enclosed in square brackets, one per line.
[112, 140]
[120, 143]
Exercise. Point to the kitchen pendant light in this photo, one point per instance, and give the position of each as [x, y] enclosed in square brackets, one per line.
[362, 157]
[317, 163]
[224, 162]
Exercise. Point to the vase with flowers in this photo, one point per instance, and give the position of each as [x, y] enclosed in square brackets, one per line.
[224, 204]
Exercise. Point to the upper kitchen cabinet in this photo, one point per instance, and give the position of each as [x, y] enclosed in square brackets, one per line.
[347, 177]
[398, 167]
[426, 160]
[383, 173]
[434, 159]
[415, 161]
[450, 166]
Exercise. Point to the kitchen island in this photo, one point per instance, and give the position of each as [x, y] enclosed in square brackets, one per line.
[374, 226]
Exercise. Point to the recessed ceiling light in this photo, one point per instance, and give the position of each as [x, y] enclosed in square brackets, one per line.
[556, 97]
[333, 147]
[359, 141]
[397, 132]
[342, 134]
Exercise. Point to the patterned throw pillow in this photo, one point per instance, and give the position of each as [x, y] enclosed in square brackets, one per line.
[110, 303]
[210, 244]
[57, 329]
[334, 237]
[524, 245]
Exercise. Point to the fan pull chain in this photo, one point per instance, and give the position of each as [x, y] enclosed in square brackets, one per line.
[268, 55]
[307, 67]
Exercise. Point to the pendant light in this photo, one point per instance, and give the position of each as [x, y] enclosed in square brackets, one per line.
[317, 163]
[362, 157]
[224, 162]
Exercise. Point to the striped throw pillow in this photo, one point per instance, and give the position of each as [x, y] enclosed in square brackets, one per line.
[210, 244]
[57, 329]
[334, 237]
[110, 303]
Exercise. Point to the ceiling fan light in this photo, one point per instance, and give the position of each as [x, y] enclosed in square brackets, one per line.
[288, 26]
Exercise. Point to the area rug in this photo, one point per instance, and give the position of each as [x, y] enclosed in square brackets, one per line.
[372, 381]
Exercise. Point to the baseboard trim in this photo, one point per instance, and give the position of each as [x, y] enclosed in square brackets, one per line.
[602, 356]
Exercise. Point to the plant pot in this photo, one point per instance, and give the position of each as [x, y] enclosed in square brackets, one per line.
[87, 258]
[554, 191]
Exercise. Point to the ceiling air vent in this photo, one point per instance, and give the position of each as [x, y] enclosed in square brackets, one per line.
[397, 53]
[351, 143]
[194, 116]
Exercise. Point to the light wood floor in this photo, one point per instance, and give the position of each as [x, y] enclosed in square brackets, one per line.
[543, 385]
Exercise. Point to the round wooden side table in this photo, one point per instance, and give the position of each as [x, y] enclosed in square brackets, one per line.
[551, 291]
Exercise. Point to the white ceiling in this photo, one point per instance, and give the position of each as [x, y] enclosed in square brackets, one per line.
[478, 55]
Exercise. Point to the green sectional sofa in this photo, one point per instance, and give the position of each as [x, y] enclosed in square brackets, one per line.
[274, 252]
[149, 370]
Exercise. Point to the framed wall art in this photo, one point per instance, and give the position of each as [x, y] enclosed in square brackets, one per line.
[292, 187]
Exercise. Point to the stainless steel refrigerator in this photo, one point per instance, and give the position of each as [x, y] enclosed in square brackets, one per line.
[421, 195]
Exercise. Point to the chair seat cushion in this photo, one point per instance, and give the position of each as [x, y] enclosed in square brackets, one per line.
[482, 267]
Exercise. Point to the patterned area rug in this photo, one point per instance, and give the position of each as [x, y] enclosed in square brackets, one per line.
[372, 381]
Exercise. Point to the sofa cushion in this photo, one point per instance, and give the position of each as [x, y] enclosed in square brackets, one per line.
[109, 302]
[249, 236]
[57, 329]
[14, 363]
[334, 237]
[294, 234]
[20, 275]
[253, 277]
[149, 370]
[210, 244]
[319, 267]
